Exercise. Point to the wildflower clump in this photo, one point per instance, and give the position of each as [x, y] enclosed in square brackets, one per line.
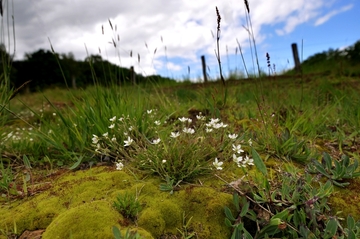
[177, 151]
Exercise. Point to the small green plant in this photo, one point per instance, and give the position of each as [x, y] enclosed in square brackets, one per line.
[291, 209]
[128, 205]
[185, 234]
[10, 233]
[6, 179]
[168, 186]
[336, 170]
[128, 235]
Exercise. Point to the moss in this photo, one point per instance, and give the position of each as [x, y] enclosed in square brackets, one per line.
[72, 189]
[206, 206]
[152, 220]
[346, 200]
[143, 233]
[172, 214]
[80, 203]
[91, 220]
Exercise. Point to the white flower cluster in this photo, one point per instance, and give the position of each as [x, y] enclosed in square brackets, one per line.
[214, 124]
[238, 156]
[240, 160]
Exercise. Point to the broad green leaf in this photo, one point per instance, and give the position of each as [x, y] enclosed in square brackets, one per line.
[351, 235]
[247, 235]
[350, 222]
[281, 215]
[327, 159]
[236, 201]
[331, 228]
[26, 161]
[319, 167]
[77, 163]
[345, 160]
[229, 214]
[258, 162]
[245, 209]
[228, 223]
[116, 232]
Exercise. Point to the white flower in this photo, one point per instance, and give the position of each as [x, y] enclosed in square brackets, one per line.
[188, 130]
[233, 136]
[95, 138]
[237, 159]
[119, 165]
[113, 119]
[208, 130]
[121, 119]
[163, 161]
[131, 128]
[157, 122]
[183, 119]
[219, 125]
[241, 165]
[200, 117]
[214, 121]
[98, 148]
[237, 148]
[248, 161]
[156, 141]
[217, 164]
[106, 134]
[128, 142]
[149, 111]
[174, 134]
[113, 138]
[54, 114]
[250, 142]
[111, 126]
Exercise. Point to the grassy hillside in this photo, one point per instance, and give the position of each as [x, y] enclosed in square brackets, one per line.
[345, 62]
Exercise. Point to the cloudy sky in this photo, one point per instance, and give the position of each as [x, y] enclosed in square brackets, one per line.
[171, 35]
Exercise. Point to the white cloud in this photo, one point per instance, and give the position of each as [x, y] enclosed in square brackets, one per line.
[184, 26]
[331, 14]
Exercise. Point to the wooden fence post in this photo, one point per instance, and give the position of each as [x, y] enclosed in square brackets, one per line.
[296, 58]
[132, 75]
[73, 82]
[204, 68]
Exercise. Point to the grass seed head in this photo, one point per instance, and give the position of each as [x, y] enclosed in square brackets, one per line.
[247, 6]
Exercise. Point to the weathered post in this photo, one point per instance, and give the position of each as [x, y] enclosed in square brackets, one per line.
[132, 75]
[204, 68]
[296, 58]
[73, 82]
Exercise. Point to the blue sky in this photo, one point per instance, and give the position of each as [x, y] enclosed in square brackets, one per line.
[171, 35]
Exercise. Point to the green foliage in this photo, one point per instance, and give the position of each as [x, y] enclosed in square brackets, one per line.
[128, 235]
[336, 170]
[186, 149]
[128, 205]
[185, 234]
[168, 186]
[292, 148]
[291, 209]
[6, 179]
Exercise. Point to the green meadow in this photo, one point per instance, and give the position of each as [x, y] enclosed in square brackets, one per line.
[259, 157]
[211, 155]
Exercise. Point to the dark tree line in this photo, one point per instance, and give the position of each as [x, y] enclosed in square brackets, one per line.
[46, 69]
[350, 54]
